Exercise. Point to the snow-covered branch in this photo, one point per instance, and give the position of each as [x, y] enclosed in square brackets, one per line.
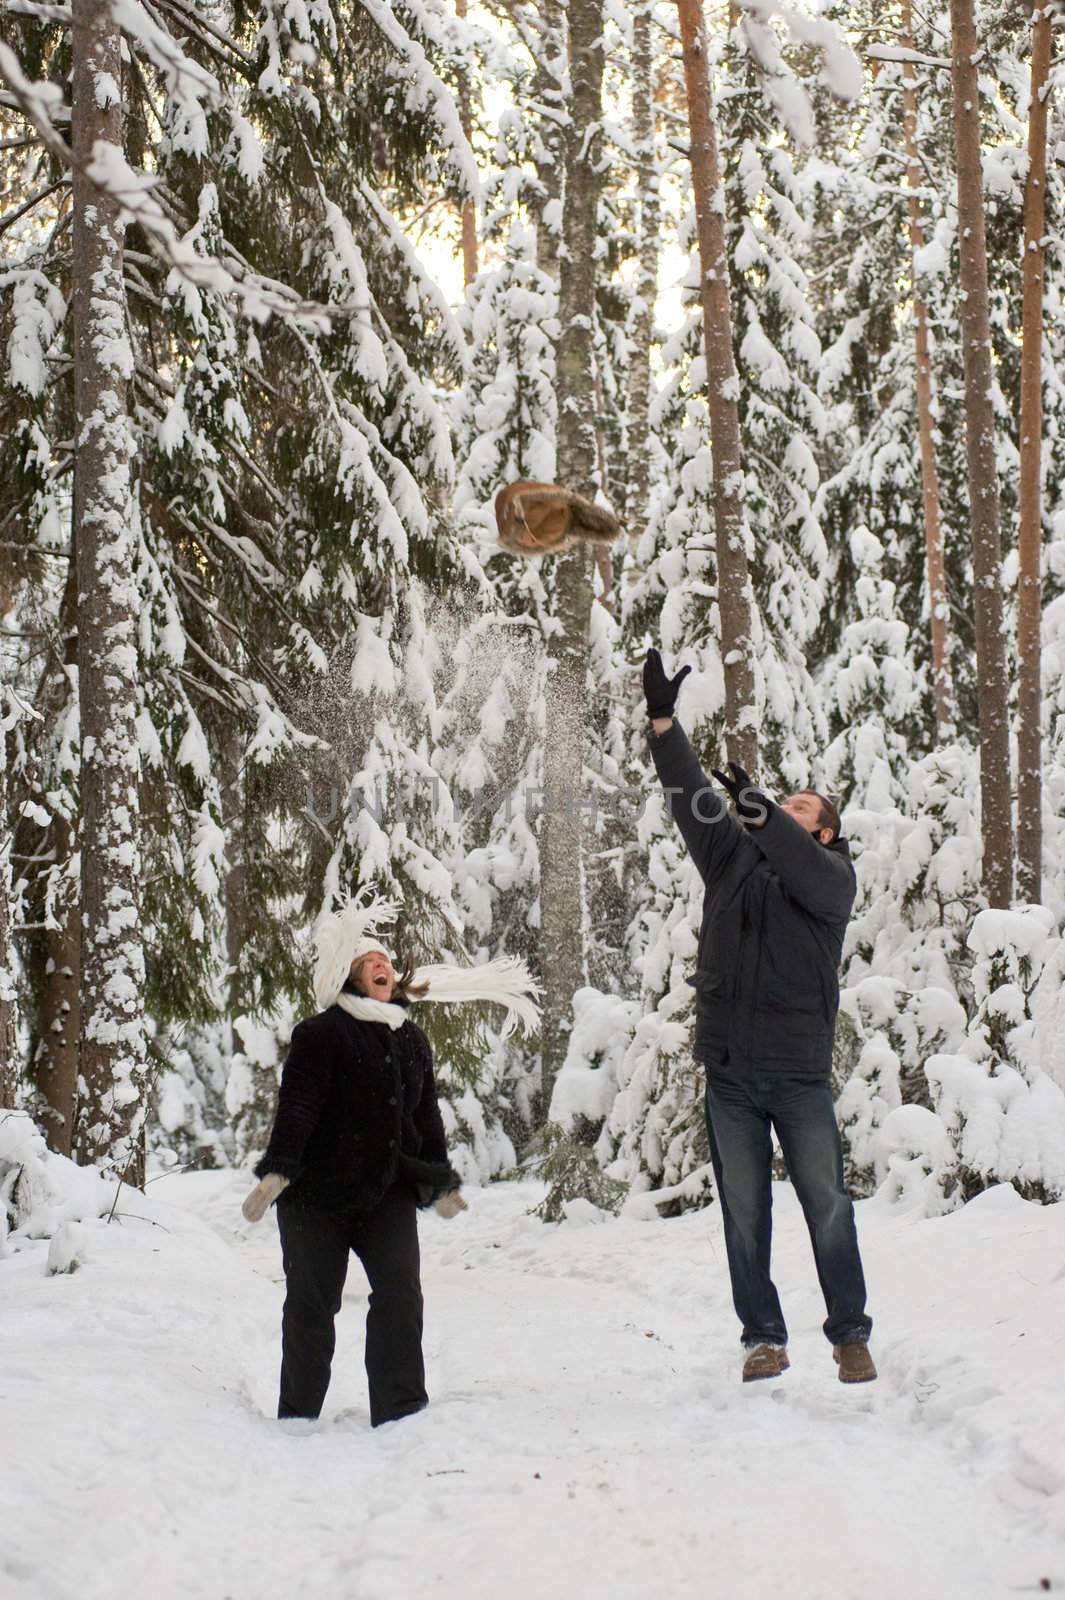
[432, 94]
[892, 52]
[43, 105]
[840, 68]
[427, 286]
[192, 17]
[38, 11]
[186, 79]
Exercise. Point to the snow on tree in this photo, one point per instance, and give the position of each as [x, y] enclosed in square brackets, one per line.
[938, 616]
[984, 504]
[869, 688]
[104, 529]
[14, 712]
[871, 478]
[508, 427]
[723, 392]
[657, 1120]
[340, 677]
[648, 220]
[782, 420]
[265, 454]
[490, 733]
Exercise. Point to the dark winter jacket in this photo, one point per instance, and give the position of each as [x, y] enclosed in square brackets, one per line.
[775, 913]
[357, 1109]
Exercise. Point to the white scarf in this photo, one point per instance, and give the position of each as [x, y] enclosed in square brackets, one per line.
[367, 1010]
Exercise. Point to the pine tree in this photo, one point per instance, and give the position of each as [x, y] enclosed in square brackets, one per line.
[657, 1122]
[1030, 533]
[240, 602]
[562, 868]
[983, 473]
[648, 206]
[782, 419]
[734, 597]
[869, 688]
[13, 711]
[875, 473]
[942, 676]
[104, 530]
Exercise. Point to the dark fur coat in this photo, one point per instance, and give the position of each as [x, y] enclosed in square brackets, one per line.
[357, 1110]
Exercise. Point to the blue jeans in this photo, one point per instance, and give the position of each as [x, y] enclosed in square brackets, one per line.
[740, 1114]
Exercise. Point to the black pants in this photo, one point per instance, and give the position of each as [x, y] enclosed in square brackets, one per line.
[315, 1247]
[741, 1114]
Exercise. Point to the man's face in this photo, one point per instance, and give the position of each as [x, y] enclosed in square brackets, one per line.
[374, 975]
[806, 809]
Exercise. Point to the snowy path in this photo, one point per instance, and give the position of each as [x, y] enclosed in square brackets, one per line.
[588, 1432]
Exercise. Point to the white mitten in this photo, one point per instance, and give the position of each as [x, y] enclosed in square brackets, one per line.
[449, 1205]
[263, 1196]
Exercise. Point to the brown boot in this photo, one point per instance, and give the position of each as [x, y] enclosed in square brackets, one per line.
[855, 1363]
[765, 1361]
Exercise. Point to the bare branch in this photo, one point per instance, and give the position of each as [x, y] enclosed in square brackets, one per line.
[11, 217]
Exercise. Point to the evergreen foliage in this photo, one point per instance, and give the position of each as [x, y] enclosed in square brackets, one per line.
[342, 678]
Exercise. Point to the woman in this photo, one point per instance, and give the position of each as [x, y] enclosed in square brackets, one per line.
[357, 1146]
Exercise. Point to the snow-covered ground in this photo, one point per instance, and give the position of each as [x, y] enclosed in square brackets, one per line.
[588, 1432]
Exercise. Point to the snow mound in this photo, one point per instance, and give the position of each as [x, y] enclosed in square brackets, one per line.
[39, 1190]
[581, 1213]
[67, 1250]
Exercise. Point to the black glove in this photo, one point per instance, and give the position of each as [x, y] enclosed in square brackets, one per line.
[660, 690]
[751, 804]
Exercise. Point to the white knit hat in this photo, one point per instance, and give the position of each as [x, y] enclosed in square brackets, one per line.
[344, 936]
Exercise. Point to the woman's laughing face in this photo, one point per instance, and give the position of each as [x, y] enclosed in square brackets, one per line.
[375, 976]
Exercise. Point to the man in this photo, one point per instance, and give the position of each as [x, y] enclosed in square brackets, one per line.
[779, 890]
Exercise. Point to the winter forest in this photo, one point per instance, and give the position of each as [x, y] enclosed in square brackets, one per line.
[289, 291]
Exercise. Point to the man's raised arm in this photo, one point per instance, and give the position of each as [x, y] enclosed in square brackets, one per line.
[710, 833]
[820, 879]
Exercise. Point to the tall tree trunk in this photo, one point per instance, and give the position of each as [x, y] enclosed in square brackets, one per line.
[239, 908]
[638, 482]
[942, 676]
[9, 715]
[8, 1052]
[469, 210]
[1030, 530]
[562, 919]
[56, 1066]
[604, 554]
[733, 578]
[59, 1015]
[550, 155]
[111, 1111]
[984, 511]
